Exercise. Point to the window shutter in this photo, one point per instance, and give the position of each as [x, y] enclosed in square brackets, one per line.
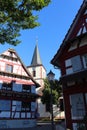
[76, 63]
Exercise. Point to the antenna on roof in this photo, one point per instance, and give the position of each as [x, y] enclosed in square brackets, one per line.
[36, 40]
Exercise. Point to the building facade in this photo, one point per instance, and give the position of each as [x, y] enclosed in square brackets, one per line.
[18, 107]
[71, 58]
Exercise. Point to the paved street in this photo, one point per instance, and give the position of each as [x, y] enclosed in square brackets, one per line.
[43, 126]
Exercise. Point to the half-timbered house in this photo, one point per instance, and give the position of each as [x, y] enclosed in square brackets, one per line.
[18, 107]
[71, 59]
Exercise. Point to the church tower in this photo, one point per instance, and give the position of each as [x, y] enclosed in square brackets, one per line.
[38, 72]
[37, 69]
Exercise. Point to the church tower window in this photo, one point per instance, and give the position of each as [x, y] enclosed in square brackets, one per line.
[34, 73]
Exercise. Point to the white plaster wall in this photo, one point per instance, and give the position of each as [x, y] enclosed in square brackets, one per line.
[17, 68]
[40, 74]
[2, 65]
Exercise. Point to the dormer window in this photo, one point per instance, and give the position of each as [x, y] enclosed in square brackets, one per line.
[9, 68]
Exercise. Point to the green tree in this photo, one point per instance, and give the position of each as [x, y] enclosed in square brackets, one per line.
[56, 91]
[16, 15]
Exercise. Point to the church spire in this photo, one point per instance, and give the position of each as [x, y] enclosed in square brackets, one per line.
[36, 60]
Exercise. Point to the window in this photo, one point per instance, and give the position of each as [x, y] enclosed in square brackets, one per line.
[26, 88]
[26, 106]
[10, 54]
[84, 58]
[33, 106]
[34, 73]
[5, 107]
[73, 64]
[68, 63]
[28, 115]
[4, 86]
[7, 86]
[16, 108]
[69, 70]
[33, 89]
[76, 63]
[77, 106]
[9, 68]
[83, 41]
[17, 87]
[73, 45]
[79, 126]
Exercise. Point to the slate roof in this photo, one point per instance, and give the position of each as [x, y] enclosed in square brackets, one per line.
[36, 60]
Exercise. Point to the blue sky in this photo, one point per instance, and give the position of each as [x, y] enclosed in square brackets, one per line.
[55, 21]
